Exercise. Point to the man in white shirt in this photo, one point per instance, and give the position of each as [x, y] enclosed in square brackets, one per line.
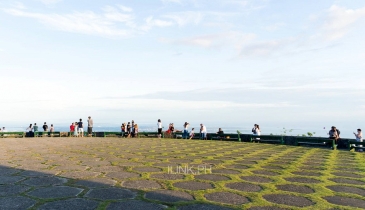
[4, 130]
[204, 132]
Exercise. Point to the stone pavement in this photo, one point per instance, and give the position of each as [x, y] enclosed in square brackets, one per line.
[115, 173]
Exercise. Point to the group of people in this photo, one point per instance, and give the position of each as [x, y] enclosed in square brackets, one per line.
[31, 129]
[3, 130]
[77, 128]
[185, 132]
[129, 130]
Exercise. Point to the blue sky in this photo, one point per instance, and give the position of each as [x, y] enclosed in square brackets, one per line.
[218, 61]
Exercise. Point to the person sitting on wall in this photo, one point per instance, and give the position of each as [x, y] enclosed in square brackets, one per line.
[220, 134]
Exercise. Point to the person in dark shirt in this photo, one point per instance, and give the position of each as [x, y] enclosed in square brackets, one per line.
[81, 128]
[220, 131]
[45, 127]
[129, 129]
[220, 134]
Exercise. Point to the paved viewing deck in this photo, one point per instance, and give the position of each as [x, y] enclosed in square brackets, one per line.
[116, 173]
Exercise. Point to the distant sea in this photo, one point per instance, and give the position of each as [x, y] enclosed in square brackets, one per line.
[319, 132]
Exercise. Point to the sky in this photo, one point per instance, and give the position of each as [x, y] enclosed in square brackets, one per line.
[232, 62]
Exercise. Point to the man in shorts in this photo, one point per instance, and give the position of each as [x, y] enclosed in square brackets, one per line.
[81, 128]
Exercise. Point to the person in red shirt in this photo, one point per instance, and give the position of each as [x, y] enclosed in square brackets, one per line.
[72, 128]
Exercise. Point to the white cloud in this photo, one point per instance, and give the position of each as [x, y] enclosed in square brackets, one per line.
[125, 9]
[184, 18]
[78, 22]
[232, 40]
[113, 14]
[48, 2]
[171, 1]
[157, 22]
[106, 23]
[340, 20]
[274, 26]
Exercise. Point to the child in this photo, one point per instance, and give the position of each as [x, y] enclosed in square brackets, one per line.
[191, 133]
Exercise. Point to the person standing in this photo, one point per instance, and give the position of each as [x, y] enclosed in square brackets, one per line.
[81, 128]
[204, 132]
[45, 127]
[90, 125]
[185, 133]
[129, 129]
[76, 134]
[135, 131]
[122, 128]
[159, 128]
[254, 129]
[4, 130]
[35, 127]
[358, 137]
[72, 128]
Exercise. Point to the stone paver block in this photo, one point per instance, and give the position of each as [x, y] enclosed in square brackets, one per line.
[169, 196]
[226, 197]
[266, 208]
[8, 171]
[141, 184]
[96, 182]
[167, 176]
[347, 181]
[289, 200]
[146, 169]
[212, 177]
[68, 167]
[37, 173]
[80, 174]
[135, 205]
[122, 175]
[55, 192]
[302, 180]
[10, 179]
[18, 202]
[74, 203]
[265, 172]
[8, 190]
[346, 174]
[346, 201]
[193, 185]
[347, 189]
[203, 207]
[307, 173]
[295, 188]
[273, 167]
[258, 179]
[44, 181]
[225, 171]
[244, 187]
[110, 194]
[106, 169]
[237, 166]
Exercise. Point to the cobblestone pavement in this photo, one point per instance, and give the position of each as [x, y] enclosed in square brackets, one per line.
[116, 173]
